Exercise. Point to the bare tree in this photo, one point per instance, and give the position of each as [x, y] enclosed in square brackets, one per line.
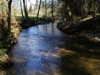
[45, 8]
[52, 11]
[9, 15]
[38, 10]
[25, 9]
[82, 2]
[21, 9]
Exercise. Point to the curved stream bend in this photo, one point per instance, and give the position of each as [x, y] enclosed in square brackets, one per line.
[37, 51]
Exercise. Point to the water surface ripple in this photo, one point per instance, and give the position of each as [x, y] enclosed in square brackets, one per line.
[37, 51]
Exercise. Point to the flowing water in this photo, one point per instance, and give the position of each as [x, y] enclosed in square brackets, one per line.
[37, 51]
[45, 50]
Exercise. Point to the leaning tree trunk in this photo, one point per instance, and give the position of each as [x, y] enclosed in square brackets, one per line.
[8, 36]
[9, 16]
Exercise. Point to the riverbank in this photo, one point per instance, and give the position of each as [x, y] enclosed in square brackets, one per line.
[26, 23]
[81, 52]
[89, 28]
[6, 44]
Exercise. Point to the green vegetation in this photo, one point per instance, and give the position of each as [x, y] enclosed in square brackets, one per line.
[88, 26]
[74, 16]
[2, 50]
[80, 17]
[31, 17]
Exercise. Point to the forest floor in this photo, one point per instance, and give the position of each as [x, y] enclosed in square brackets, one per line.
[81, 55]
[89, 28]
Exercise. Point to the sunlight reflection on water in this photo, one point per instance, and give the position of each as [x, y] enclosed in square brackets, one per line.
[36, 52]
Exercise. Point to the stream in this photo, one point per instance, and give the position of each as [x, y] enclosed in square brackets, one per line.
[45, 50]
[37, 51]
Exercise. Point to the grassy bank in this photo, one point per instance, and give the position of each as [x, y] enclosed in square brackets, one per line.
[32, 20]
[17, 24]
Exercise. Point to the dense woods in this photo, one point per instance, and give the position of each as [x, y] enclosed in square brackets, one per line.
[81, 8]
[74, 16]
[82, 17]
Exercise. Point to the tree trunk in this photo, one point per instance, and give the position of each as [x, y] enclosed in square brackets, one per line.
[25, 9]
[9, 15]
[45, 8]
[82, 2]
[52, 11]
[21, 9]
[38, 10]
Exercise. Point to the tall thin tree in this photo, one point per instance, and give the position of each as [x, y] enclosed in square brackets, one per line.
[21, 9]
[25, 9]
[38, 10]
[9, 15]
[45, 8]
[52, 11]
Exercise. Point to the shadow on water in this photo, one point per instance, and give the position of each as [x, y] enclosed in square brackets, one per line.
[80, 56]
[44, 50]
[36, 52]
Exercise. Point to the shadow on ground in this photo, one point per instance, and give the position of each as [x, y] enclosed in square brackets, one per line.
[80, 56]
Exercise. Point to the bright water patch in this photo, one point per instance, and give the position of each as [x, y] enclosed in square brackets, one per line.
[37, 51]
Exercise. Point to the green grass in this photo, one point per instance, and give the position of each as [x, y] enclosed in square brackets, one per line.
[2, 50]
[19, 17]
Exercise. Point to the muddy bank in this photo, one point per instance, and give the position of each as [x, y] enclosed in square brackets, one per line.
[7, 41]
[26, 23]
[80, 56]
[90, 27]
